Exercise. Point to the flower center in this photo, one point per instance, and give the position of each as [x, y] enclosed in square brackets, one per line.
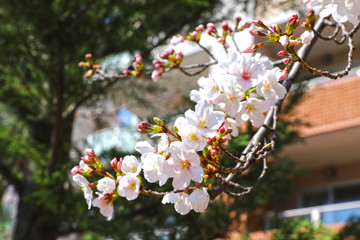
[266, 86]
[230, 96]
[185, 164]
[246, 75]
[133, 169]
[250, 108]
[193, 136]
[132, 185]
[203, 123]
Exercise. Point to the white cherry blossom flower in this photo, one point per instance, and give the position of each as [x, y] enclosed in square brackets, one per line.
[186, 165]
[143, 147]
[153, 168]
[252, 109]
[230, 97]
[106, 185]
[199, 200]
[105, 204]
[130, 165]
[210, 86]
[191, 136]
[284, 40]
[163, 142]
[205, 118]
[247, 71]
[270, 88]
[129, 187]
[84, 184]
[306, 37]
[180, 200]
[197, 95]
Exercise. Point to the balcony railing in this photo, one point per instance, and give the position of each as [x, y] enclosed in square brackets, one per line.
[326, 214]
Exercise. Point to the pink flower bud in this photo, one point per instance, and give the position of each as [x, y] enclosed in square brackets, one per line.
[169, 51]
[259, 23]
[256, 33]
[221, 40]
[283, 74]
[247, 24]
[200, 28]
[250, 49]
[295, 42]
[286, 61]
[126, 72]
[89, 151]
[238, 18]
[225, 25]
[76, 170]
[282, 53]
[163, 55]
[177, 39]
[194, 34]
[156, 74]
[145, 128]
[88, 56]
[113, 163]
[210, 28]
[138, 58]
[157, 63]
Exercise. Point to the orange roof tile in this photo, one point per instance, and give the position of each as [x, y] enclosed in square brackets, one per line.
[330, 106]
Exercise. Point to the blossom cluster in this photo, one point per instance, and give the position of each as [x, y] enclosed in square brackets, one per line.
[240, 89]
[340, 10]
[244, 88]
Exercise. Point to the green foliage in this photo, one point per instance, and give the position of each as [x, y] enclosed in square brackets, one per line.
[351, 230]
[41, 86]
[299, 229]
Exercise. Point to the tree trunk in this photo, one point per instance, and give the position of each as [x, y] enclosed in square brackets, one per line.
[34, 221]
[31, 223]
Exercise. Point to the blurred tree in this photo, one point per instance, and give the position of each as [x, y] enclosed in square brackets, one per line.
[42, 87]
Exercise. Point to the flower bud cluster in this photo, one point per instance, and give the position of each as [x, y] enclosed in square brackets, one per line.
[226, 30]
[168, 60]
[89, 66]
[286, 38]
[138, 67]
[125, 184]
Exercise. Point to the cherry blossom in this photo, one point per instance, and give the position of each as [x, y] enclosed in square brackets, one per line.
[247, 71]
[204, 118]
[253, 109]
[306, 37]
[129, 187]
[130, 165]
[104, 202]
[191, 136]
[180, 200]
[270, 88]
[199, 200]
[106, 185]
[84, 184]
[186, 165]
[153, 168]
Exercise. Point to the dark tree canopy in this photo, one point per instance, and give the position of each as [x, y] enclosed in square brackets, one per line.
[41, 87]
